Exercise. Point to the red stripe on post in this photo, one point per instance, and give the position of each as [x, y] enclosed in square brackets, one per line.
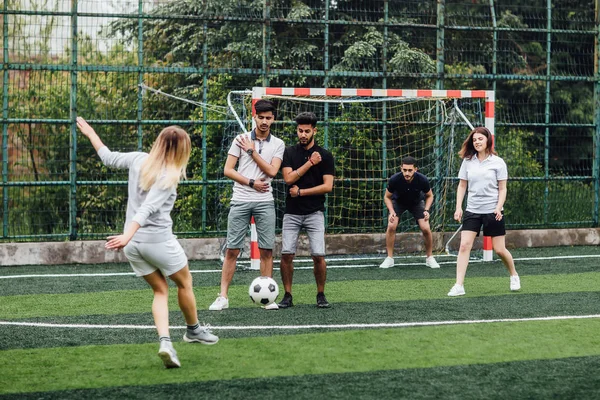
[489, 109]
[487, 243]
[394, 93]
[424, 93]
[333, 92]
[478, 93]
[302, 91]
[254, 254]
[454, 93]
[364, 92]
[274, 90]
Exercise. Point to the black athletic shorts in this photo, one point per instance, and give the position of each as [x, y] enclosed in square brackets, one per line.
[415, 209]
[473, 222]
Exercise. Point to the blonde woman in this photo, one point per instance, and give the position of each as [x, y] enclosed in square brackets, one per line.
[485, 175]
[148, 241]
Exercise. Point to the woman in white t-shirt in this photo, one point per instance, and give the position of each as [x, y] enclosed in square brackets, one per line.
[485, 175]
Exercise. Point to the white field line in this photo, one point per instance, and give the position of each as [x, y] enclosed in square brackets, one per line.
[298, 327]
[203, 271]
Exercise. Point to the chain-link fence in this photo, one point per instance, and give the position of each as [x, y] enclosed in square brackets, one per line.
[112, 62]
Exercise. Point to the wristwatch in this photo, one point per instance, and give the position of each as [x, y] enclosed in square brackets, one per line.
[250, 151]
[251, 183]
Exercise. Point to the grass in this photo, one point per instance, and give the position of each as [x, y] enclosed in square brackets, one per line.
[320, 353]
[522, 359]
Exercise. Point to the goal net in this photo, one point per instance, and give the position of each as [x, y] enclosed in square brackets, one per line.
[369, 131]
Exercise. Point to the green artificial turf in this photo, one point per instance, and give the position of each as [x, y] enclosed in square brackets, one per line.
[564, 378]
[135, 301]
[320, 353]
[527, 359]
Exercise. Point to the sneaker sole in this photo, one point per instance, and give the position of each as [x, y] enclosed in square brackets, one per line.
[188, 340]
[285, 306]
[167, 360]
[218, 309]
[323, 305]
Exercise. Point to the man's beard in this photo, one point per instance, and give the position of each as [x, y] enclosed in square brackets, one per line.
[307, 143]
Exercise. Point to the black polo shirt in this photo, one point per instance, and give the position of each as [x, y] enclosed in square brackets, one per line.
[406, 193]
[296, 156]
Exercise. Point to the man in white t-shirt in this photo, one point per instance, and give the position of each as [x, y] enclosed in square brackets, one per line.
[259, 155]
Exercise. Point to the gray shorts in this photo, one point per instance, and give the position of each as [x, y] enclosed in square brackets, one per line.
[239, 220]
[145, 258]
[313, 224]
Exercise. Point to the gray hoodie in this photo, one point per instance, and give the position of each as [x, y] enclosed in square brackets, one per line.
[150, 209]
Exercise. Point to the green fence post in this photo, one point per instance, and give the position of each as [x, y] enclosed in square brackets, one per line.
[384, 61]
[326, 106]
[73, 106]
[266, 41]
[204, 126]
[140, 100]
[5, 83]
[439, 84]
[596, 163]
[547, 110]
[494, 44]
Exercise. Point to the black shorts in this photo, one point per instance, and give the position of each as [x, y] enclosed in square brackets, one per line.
[415, 209]
[473, 222]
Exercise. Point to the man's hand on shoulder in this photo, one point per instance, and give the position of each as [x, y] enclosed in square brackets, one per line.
[244, 142]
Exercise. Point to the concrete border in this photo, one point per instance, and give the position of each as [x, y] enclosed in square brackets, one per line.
[93, 252]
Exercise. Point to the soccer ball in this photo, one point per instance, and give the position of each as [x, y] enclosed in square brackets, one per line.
[263, 290]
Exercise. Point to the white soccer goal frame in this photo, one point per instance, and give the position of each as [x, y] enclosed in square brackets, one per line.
[426, 94]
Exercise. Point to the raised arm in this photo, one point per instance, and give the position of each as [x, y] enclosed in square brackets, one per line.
[112, 159]
[90, 133]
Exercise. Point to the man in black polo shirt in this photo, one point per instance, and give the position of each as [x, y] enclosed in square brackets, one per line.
[308, 170]
[408, 190]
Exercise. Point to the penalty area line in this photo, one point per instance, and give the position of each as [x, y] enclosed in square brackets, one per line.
[315, 326]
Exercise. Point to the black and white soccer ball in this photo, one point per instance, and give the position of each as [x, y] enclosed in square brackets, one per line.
[263, 290]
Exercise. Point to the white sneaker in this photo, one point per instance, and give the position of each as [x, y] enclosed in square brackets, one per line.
[431, 263]
[515, 283]
[168, 355]
[272, 306]
[387, 263]
[201, 335]
[457, 290]
[219, 304]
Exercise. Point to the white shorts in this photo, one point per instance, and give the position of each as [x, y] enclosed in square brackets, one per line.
[145, 258]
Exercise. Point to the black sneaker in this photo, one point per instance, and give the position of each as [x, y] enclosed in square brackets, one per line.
[286, 302]
[322, 301]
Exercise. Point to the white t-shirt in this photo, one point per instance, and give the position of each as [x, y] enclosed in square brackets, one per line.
[268, 149]
[482, 178]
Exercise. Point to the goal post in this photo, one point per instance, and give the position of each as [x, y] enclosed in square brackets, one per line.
[370, 131]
